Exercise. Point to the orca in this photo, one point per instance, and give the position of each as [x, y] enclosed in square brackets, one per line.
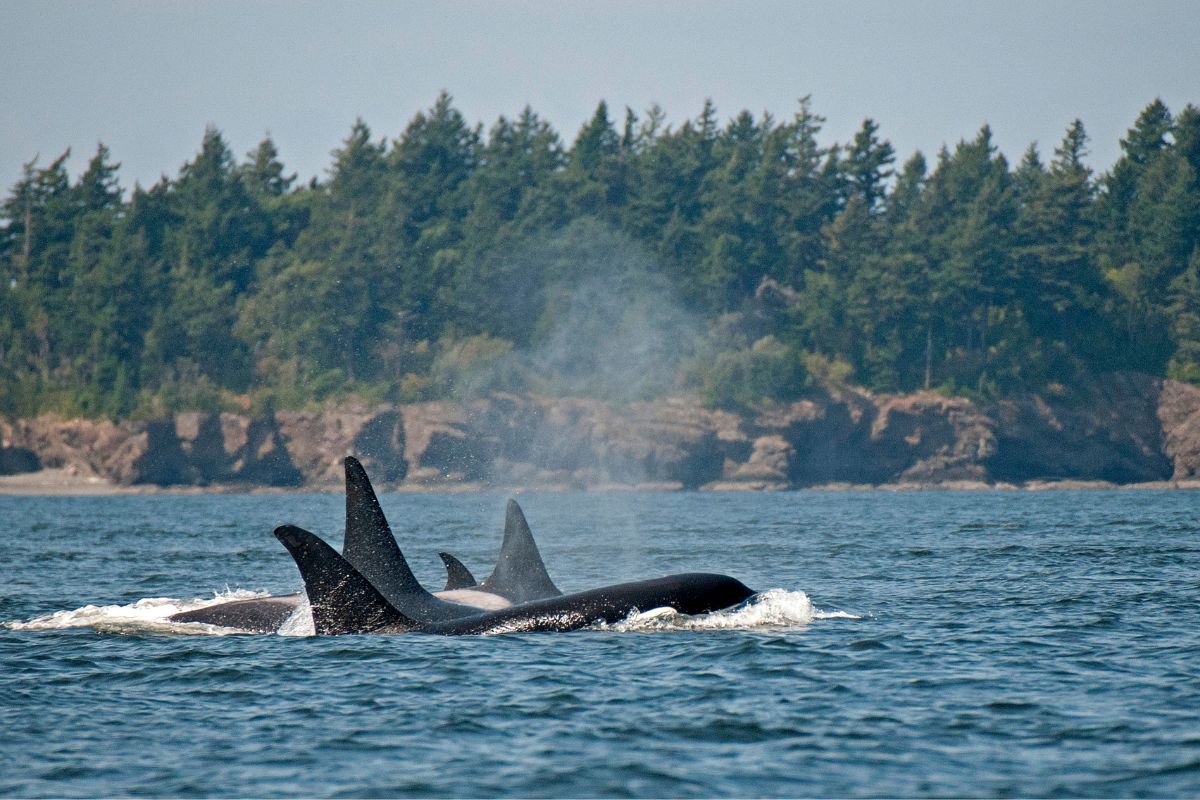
[267, 614]
[461, 587]
[256, 615]
[369, 544]
[343, 600]
[519, 576]
[457, 574]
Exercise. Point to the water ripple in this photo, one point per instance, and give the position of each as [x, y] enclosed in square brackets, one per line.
[923, 644]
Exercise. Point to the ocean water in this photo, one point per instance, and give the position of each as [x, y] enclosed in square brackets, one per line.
[987, 644]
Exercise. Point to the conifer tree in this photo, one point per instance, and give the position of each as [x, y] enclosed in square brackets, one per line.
[868, 164]
[1184, 313]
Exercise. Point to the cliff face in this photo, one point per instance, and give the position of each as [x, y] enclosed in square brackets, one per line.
[1122, 429]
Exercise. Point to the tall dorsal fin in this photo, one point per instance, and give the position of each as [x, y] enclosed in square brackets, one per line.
[369, 544]
[520, 574]
[457, 575]
[341, 598]
[372, 550]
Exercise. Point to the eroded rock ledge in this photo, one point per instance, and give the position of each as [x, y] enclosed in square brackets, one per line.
[1121, 429]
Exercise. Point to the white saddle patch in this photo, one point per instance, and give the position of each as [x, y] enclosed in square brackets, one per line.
[473, 597]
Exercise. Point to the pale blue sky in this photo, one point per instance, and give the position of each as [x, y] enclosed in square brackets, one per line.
[147, 77]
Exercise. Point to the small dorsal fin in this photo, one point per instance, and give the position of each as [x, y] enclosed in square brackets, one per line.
[369, 544]
[341, 598]
[457, 575]
[520, 575]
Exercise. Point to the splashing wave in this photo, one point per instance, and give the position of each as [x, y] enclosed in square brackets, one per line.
[148, 615]
[772, 609]
[300, 623]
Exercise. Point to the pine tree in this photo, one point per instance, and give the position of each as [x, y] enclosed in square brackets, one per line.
[263, 172]
[338, 272]
[495, 291]
[868, 164]
[1184, 313]
[666, 212]
[597, 177]
[1059, 291]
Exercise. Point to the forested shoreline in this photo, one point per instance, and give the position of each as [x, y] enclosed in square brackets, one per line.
[744, 260]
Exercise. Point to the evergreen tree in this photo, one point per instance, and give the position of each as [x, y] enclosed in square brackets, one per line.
[666, 212]
[415, 259]
[967, 215]
[213, 235]
[263, 173]
[868, 164]
[1058, 284]
[337, 273]
[431, 163]
[1184, 313]
[495, 291]
[596, 180]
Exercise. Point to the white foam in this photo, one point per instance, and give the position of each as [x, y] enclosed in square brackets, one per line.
[300, 623]
[148, 615]
[772, 609]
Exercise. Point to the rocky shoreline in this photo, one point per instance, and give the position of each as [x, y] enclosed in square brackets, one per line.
[1122, 430]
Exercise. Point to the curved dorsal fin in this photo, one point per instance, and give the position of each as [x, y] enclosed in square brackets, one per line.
[369, 545]
[520, 575]
[457, 575]
[371, 549]
[341, 598]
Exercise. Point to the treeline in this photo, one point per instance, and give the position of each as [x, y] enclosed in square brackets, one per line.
[428, 263]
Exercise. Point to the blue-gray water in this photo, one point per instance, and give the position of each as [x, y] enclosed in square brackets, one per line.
[988, 644]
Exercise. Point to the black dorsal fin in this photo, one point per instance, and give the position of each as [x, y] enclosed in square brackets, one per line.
[341, 598]
[372, 550]
[457, 575]
[369, 544]
[520, 575]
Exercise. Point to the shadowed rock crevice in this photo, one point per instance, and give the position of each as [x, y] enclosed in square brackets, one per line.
[1109, 430]
[17, 460]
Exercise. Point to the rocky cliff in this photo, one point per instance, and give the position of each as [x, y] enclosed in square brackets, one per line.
[1121, 429]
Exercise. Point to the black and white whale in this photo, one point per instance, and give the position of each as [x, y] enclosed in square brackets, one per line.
[520, 573]
[344, 600]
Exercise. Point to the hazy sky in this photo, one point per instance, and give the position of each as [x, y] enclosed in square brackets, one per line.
[147, 77]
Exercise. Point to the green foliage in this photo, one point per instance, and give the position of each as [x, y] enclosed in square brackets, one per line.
[829, 373]
[446, 262]
[468, 366]
[1184, 312]
[767, 371]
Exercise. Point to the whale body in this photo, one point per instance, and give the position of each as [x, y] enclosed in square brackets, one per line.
[369, 545]
[343, 600]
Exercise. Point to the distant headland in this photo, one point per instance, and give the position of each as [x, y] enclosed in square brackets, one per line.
[722, 303]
